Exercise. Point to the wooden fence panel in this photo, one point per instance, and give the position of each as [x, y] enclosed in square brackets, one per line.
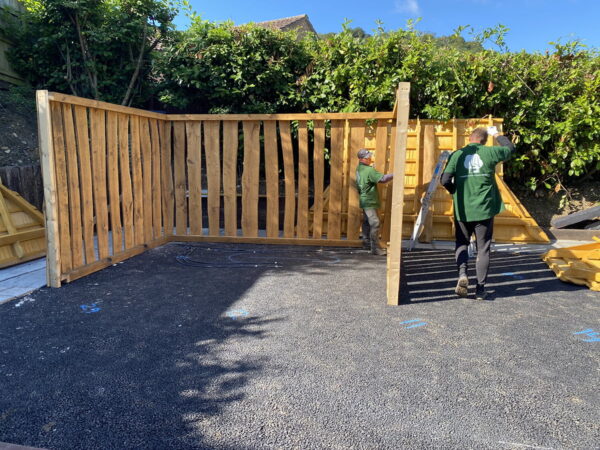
[230, 154]
[98, 139]
[303, 174]
[138, 187]
[319, 176]
[213, 175]
[62, 194]
[114, 191]
[180, 181]
[76, 238]
[194, 168]
[250, 178]
[336, 182]
[272, 178]
[126, 188]
[288, 168]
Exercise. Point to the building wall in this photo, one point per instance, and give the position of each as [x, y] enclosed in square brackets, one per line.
[6, 72]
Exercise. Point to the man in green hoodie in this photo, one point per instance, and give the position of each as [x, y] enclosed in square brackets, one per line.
[470, 178]
[367, 179]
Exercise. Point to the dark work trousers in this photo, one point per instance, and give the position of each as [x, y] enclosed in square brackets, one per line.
[483, 230]
[370, 227]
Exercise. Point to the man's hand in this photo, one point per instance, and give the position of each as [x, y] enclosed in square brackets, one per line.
[492, 131]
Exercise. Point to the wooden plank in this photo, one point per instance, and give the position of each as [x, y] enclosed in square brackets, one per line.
[168, 192]
[357, 141]
[381, 150]
[53, 264]
[126, 188]
[5, 215]
[62, 186]
[272, 177]
[284, 117]
[146, 152]
[98, 139]
[230, 154]
[138, 181]
[86, 182]
[77, 256]
[96, 104]
[395, 249]
[429, 163]
[575, 218]
[194, 168]
[213, 168]
[179, 181]
[21, 236]
[303, 175]
[319, 176]
[267, 240]
[335, 183]
[109, 261]
[250, 177]
[288, 168]
[345, 179]
[113, 181]
[156, 179]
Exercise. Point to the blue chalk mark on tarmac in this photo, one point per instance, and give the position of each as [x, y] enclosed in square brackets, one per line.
[235, 313]
[514, 275]
[591, 334]
[89, 309]
[415, 323]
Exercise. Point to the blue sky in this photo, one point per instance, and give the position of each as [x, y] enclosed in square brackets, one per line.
[532, 23]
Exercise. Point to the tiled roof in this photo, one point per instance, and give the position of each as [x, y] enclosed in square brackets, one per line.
[281, 24]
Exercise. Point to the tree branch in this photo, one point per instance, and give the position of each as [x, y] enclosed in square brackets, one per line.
[138, 67]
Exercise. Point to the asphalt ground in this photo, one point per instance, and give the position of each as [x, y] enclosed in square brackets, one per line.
[192, 346]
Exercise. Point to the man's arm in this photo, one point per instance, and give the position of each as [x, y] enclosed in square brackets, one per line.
[387, 177]
[503, 141]
[447, 181]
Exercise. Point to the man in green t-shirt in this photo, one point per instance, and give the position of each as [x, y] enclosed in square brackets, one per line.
[367, 179]
[470, 178]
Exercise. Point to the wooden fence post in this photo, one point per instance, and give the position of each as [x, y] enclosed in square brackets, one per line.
[50, 196]
[429, 162]
[397, 203]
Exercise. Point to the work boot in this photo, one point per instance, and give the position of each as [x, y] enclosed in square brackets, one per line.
[462, 286]
[366, 243]
[375, 250]
[480, 292]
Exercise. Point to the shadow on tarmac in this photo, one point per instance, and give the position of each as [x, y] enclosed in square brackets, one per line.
[430, 276]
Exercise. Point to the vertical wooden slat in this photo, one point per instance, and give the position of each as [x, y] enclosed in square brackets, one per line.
[156, 180]
[395, 249]
[126, 190]
[429, 162]
[146, 152]
[194, 168]
[213, 167]
[62, 186]
[389, 168]
[319, 175]
[250, 178]
[345, 177]
[288, 168]
[168, 193]
[77, 256]
[335, 183]
[138, 181]
[113, 182]
[53, 274]
[179, 180]
[230, 152]
[85, 177]
[98, 127]
[303, 174]
[381, 150]
[272, 177]
[357, 141]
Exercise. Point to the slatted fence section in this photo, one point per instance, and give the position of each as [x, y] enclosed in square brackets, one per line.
[106, 164]
[309, 160]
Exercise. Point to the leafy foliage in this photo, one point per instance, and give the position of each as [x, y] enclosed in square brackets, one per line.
[89, 48]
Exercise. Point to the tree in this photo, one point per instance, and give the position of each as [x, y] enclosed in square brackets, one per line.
[90, 48]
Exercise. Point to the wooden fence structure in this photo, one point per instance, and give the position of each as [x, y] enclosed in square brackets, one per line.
[120, 180]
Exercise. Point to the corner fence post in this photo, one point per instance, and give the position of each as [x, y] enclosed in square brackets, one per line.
[397, 203]
[53, 275]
